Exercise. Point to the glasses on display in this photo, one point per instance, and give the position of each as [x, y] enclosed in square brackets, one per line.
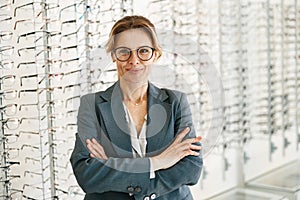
[6, 64]
[7, 5]
[9, 109]
[14, 123]
[6, 50]
[36, 8]
[5, 35]
[61, 76]
[8, 179]
[13, 194]
[5, 19]
[123, 54]
[9, 139]
[9, 94]
[7, 80]
[28, 24]
[39, 90]
[8, 166]
[11, 153]
[37, 35]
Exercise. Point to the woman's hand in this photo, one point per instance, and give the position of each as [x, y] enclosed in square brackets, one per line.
[96, 150]
[176, 151]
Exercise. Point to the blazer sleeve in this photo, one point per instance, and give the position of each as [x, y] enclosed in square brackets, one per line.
[98, 175]
[187, 171]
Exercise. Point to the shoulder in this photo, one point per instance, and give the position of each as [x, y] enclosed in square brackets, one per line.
[167, 94]
[173, 95]
[99, 96]
[88, 96]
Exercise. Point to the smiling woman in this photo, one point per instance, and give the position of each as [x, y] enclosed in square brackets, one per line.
[152, 152]
[134, 57]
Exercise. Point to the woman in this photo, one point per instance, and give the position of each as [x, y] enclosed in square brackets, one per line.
[134, 140]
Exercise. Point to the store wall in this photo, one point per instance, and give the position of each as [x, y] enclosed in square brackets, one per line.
[238, 61]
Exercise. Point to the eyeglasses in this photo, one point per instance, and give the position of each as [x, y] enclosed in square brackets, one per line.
[5, 35]
[6, 64]
[11, 153]
[9, 110]
[7, 50]
[28, 24]
[9, 179]
[9, 94]
[35, 6]
[35, 33]
[7, 5]
[123, 54]
[8, 165]
[5, 18]
[14, 194]
[8, 80]
[14, 123]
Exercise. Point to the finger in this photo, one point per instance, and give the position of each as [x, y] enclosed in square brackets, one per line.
[195, 147]
[182, 134]
[188, 153]
[189, 141]
[99, 148]
[184, 146]
[194, 153]
[198, 139]
[192, 140]
[191, 153]
[87, 141]
[97, 145]
[93, 151]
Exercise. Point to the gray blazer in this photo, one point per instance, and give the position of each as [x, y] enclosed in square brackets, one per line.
[101, 115]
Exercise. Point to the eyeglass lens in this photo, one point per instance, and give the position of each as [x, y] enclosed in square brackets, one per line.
[144, 53]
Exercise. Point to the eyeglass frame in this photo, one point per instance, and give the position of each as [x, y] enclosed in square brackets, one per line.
[130, 50]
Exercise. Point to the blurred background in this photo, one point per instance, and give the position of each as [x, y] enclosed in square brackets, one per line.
[238, 61]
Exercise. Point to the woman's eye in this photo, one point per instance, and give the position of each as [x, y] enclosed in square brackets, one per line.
[144, 50]
[124, 52]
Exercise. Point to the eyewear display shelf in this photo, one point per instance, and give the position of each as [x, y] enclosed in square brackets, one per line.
[283, 181]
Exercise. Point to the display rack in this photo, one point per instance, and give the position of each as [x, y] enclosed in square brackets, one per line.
[237, 61]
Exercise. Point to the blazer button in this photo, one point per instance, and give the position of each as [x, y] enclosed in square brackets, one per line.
[153, 196]
[146, 198]
[130, 189]
[138, 189]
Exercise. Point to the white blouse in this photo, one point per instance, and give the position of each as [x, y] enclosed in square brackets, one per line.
[138, 144]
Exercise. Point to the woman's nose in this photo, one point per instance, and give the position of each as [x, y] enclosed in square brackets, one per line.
[134, 59]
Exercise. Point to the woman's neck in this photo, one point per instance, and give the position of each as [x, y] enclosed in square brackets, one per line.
[134, 92]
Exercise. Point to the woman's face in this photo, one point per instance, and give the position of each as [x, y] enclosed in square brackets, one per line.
[134, 69]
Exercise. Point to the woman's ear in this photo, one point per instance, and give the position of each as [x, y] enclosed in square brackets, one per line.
[156, 56]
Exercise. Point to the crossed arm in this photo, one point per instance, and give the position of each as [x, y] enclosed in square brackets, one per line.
[175, 152]
[96, 172]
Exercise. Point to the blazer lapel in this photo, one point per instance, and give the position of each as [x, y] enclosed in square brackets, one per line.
[159, 113]
[117, 130]
[113, 115]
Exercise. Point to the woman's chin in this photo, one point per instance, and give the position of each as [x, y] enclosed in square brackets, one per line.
[135, 79]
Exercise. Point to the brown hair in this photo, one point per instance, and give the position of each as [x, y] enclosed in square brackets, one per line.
[133, 22]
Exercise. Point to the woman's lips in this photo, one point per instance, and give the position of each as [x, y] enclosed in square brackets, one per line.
[135, 70]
